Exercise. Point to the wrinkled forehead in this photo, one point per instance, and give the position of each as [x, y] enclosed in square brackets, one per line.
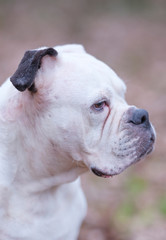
[82, 72]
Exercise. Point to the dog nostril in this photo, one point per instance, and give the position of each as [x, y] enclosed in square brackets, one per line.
[143, 119]
[139, 117]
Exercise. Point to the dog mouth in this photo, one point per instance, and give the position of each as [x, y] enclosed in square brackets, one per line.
[100, 173]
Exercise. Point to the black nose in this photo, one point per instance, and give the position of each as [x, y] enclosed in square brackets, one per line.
[140, 117]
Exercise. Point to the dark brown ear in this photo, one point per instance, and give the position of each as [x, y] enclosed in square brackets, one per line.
[26, 72]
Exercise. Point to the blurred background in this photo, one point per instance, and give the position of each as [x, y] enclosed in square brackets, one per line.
[130, 36]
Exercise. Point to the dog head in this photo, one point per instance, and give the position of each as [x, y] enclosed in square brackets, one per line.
[78, 102]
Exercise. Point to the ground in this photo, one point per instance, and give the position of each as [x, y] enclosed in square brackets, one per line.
[130, 37]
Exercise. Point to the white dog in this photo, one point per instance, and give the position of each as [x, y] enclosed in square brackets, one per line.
[68, 116]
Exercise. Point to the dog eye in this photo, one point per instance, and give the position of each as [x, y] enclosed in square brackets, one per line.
[99, 106]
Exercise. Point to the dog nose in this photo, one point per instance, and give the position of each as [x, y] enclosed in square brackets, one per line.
[140, 117]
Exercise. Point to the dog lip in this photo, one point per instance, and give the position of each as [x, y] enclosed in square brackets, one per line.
[152, 139]
[100, 173]
[148, 151]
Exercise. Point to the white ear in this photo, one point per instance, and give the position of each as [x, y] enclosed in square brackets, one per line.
[71, 48]
[8, 169]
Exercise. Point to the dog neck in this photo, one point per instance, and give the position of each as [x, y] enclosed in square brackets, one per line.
[34, 169]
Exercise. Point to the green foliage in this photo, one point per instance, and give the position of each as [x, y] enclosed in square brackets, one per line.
[135, 186]
[136, 5]
[129, 208]
[162, 205]
[125, 211]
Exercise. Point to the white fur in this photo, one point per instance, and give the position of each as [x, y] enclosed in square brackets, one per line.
[49, 138]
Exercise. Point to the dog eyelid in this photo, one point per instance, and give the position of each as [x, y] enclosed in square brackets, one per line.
[100, 105]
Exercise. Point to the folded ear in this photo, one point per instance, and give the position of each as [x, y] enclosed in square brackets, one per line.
[25, 74]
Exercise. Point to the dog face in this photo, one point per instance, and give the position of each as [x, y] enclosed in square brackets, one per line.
[82, 111]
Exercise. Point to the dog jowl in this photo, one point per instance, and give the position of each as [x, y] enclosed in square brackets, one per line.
[61, 113]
